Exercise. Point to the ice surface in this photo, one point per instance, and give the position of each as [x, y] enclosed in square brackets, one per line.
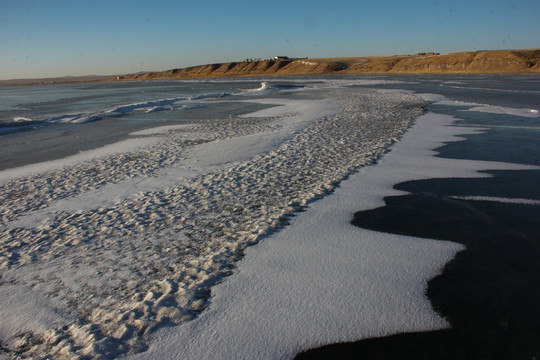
[24, 315]
[531, 113]
[322, 280]
[133, 241]
[108, 150]
[149, 106]
[443, 100]
[499, 199]
[287, 124]
[21, 118]
[103, 250]
[160, 129]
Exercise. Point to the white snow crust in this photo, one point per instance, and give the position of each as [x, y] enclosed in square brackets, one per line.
[160, 129]
[530, 113]
[322, 280]
[99, 250]
[443, 100]
[107, 150]
[129, 242]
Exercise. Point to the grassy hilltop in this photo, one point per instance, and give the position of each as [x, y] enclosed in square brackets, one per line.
[479, 62]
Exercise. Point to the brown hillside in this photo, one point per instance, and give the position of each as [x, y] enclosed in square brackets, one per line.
[480, 62]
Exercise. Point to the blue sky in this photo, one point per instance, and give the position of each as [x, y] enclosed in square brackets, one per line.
[43, 38]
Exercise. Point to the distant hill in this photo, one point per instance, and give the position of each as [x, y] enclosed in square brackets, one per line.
[479, 62]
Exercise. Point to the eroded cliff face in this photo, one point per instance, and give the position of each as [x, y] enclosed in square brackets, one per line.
[246, 68]
[475, 62]
[497, 61]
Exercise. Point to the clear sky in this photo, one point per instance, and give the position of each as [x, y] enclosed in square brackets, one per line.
[48, 38]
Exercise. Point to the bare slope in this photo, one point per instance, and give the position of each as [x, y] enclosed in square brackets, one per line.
[496, 61]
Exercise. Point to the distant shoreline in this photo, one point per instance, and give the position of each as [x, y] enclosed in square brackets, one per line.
[58, 80]
[478, 62]
[525, 61]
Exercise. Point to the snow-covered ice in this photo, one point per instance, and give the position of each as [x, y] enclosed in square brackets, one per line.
[104, 250]
[121, 147]
[128, 242]
[531, 113]
[323, 280]
[498, 199]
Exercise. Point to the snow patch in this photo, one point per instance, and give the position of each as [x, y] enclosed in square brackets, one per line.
[160, 130]
[123, 260]
[107, 150]
[530, 113]
[322, 280]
